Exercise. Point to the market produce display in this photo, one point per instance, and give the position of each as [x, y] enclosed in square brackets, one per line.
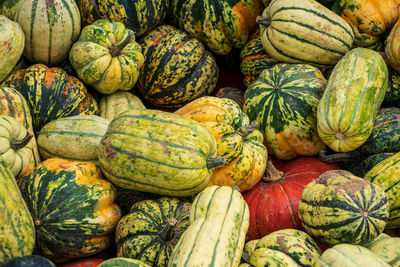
[206, 133]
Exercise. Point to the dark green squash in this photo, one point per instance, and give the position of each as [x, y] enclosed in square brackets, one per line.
[28, 261]
[392, 96]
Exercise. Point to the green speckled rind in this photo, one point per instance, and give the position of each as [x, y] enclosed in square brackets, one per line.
[392, 96]
[17, 232]
[387, 248]
[284, 101]
[141, 16]
[123, 262]
[157, 152]
[351, 100]
[372, 160]
[138, 233]
[221, 25]
[295, 243]
[340, 207]
[82, 133]
[349, 255]
[72, 207]
[177, 68]
[114, 104]
[8, 8]
[271, 257]
[385, 175]
[51, 94]
[127, 197]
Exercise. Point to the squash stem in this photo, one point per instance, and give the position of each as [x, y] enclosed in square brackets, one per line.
[167, 232]
[115, 49]
[263, 21]
[249, 129]
[18, 144]
[338, 157]
[271, 173]
[215, 162]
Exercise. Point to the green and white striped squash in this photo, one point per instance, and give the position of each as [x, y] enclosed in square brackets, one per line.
[304, 32]
[73, 138]
[8, 8]
[269, 257]
[386, 175]
[114, 104]
[284, 101]
[50, 27]
[151, 230]
[219, 219]
[351, 100]
[158, 152]
[123, 262]
[12, 40]
[340, 207]
[387, 248]
[350, 256]
[17, 231]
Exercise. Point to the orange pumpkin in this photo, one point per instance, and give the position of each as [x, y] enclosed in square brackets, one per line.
[392, 47]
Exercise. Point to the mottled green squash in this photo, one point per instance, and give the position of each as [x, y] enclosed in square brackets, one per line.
[269, 257]
[114, 104]
[123, 262]
[29, 261]
[8, 8]
[127, 197]
[392, 96]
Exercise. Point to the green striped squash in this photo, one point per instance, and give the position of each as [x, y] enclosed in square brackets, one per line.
[350, 256]
[51, 94]
[177, 68]
[8, 8]
[351, 100]
[220, 25]
[219, 219]
[304, 32]
[72, 207]
[127, 197]
[386, 175]
[17, 231]
[50, 27]
[82, 133]
[12, 41]
[158, 152]
[340, 207]
[114, 104]
[141, 16]
[151, 230]
[270, 257]
[284, 101]
[123, 262]
[387, 248]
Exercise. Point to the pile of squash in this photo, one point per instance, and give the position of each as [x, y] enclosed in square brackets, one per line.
[199, 133]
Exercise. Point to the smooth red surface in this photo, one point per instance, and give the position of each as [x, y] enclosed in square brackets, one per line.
[94, 262]
[274, 205]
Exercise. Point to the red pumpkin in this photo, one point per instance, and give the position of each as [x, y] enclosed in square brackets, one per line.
[273, 202]
[90, 262]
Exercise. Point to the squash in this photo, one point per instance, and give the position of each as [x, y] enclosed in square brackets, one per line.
[8, 8]
[12, 39]
[72, 207]
[127, 197]
[273, 202]
[114, 104]
[151, 230]
[392, 49]
[158, 152]
[284, 101]
[340, 207]
[219, 219]
[107, 57]
[304, 32]
[17, 231]
[29, 261]
[351, 100]
[51, 94]
[392, 96]
[123, 262]
[387, 248]
[177, 68]
[233, 93]
[50, 27]
[270, 257]
[220, 25]
[82, 133]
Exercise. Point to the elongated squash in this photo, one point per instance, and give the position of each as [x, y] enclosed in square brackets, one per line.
[114, 104]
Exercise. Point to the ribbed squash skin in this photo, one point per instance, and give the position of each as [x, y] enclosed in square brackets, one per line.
[50, 27]
[72, 138]
[114, 104]
[385, 175]
[151, 230]
[177, 68]
[392, 47]
[141, 16]
[12, 39]
[340, 207]
[107, 57]
[157, 152]
[219, 219]
[220, 25]
[387, 248]
[17, 232]
[351, 100]
[305, 32]
[72, 207]
[123, 262]
[8, 8]
[284, 101]
[349, 255]
[51, 94]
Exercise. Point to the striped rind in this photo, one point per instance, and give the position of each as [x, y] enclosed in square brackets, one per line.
[114, 104]
[50, 27]
[305, 32]
[157, 152]
[387, 248]
[351, 100]
[342, 208]
[219, 219]
[73, 138]
[270, 257]
[17, 231]
[392, 47]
